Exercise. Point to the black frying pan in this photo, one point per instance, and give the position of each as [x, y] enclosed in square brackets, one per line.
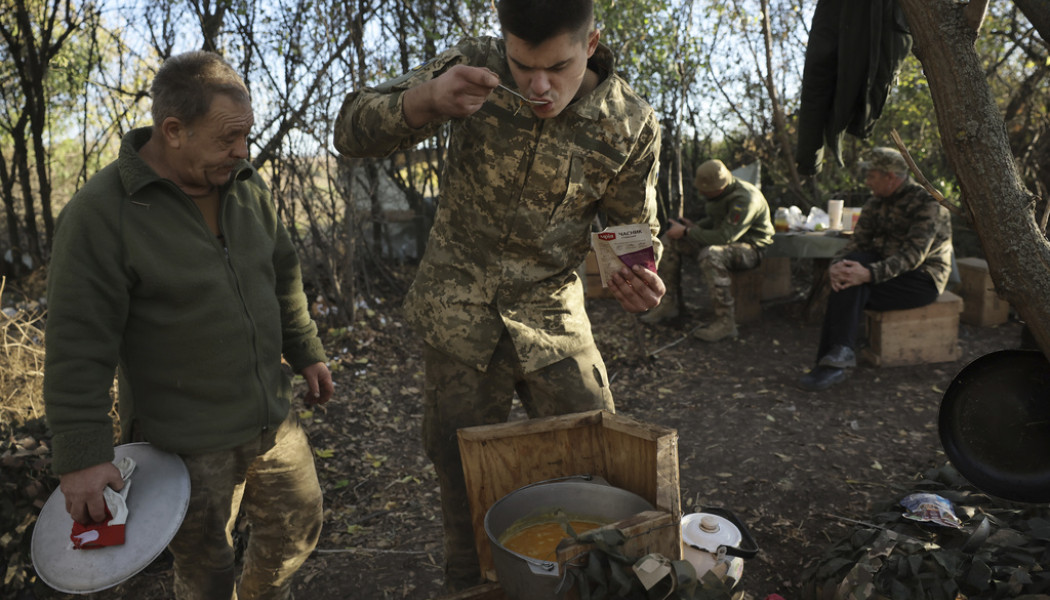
[994, 424]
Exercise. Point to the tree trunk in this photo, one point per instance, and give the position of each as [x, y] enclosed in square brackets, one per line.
[779, 120]
[976, 144]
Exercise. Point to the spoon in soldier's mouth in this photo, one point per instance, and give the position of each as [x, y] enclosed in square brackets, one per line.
[522, 97]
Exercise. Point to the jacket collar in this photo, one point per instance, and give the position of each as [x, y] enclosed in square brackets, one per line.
[595, 105]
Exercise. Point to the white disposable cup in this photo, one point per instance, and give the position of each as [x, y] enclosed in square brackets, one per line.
[835, 214]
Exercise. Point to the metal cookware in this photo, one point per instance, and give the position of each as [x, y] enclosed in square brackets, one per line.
[994, 424]
[526, 578]
[157, 503]
[716, 536]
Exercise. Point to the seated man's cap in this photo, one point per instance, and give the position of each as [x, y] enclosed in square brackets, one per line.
[883, 159]
[712, 176]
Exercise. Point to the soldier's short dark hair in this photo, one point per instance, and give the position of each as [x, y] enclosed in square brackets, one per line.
[537, 21]
[186, 84]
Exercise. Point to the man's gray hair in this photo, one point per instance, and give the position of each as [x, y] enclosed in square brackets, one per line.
[186, 84]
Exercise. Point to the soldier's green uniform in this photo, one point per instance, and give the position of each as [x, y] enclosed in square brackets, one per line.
[731, 236]
[497, 298]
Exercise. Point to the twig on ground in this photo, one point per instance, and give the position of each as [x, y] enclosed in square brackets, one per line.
[367, 517]
[670, 345]
[871, 525]
[367, 551]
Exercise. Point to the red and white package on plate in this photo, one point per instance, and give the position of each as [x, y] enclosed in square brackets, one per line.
[109, 531]
[623, 244]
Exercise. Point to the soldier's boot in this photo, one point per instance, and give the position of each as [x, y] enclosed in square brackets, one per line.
[722, 327]
[666, 310]
[670, 305]
[724, 324]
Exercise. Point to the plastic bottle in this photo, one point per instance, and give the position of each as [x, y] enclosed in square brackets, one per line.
[780, 219]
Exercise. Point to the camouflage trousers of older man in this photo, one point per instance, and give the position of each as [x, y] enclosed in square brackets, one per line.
[715, 264]
[457, 395]
[272, 479]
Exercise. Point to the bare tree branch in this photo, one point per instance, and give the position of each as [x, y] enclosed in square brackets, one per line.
[922, 178]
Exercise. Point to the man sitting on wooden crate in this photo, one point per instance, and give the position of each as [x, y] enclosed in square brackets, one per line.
[734, 231]
[898, 258]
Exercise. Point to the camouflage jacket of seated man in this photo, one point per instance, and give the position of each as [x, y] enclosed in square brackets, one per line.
[910, 230]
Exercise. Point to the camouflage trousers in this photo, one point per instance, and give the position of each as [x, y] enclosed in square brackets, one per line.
[457, 395]
[272, 480]
[715, 263]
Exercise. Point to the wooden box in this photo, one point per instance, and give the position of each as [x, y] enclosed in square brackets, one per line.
[747, 294]
[928, 334]
[592, 279]
[635, 456]
[981, 305]
[776, 277]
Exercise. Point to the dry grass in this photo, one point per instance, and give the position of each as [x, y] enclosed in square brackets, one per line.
[21, 364]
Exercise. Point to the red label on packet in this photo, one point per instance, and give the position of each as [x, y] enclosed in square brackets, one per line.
[623, 245]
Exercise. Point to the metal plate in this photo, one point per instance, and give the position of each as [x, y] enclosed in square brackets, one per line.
[157, 502]
[994, 424]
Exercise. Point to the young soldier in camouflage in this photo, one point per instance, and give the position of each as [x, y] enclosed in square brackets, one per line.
[171, 267]
[497, 299]
[732, 235]
[900, 256]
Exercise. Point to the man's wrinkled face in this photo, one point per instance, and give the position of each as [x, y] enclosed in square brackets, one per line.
[551, 72]
[881, 183]
[212, 146]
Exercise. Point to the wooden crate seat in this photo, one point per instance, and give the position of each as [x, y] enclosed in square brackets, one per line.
[776, 277]
[982, 306]
[747, 294]
[928, 334]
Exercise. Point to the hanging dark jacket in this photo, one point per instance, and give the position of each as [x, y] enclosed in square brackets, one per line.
[855, 51]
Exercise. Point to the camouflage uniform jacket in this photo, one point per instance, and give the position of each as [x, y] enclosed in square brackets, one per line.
[740, 214]
[909, 230]
[518, 197]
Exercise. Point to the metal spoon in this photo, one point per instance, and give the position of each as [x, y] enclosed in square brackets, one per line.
[522, 97]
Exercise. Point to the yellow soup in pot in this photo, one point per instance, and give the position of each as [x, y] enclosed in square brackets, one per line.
[540, 541]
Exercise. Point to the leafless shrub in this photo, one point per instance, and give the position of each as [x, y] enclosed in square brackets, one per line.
[21, 363]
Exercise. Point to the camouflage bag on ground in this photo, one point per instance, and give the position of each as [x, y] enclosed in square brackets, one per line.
[1002, 551]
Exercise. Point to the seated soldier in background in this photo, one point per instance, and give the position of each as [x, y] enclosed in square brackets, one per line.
[731, 236]
[899, 257]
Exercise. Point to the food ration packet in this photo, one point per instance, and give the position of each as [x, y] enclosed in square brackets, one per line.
[629, 244]
[930, 508]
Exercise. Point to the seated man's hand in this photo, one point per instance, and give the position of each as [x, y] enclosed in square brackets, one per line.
[848, 273]
[677, 229]
[637, 289]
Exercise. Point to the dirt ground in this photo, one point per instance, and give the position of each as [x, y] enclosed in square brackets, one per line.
[794, 466]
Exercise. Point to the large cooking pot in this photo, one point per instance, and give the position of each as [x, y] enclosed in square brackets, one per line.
[581, 497]
[994, 424]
